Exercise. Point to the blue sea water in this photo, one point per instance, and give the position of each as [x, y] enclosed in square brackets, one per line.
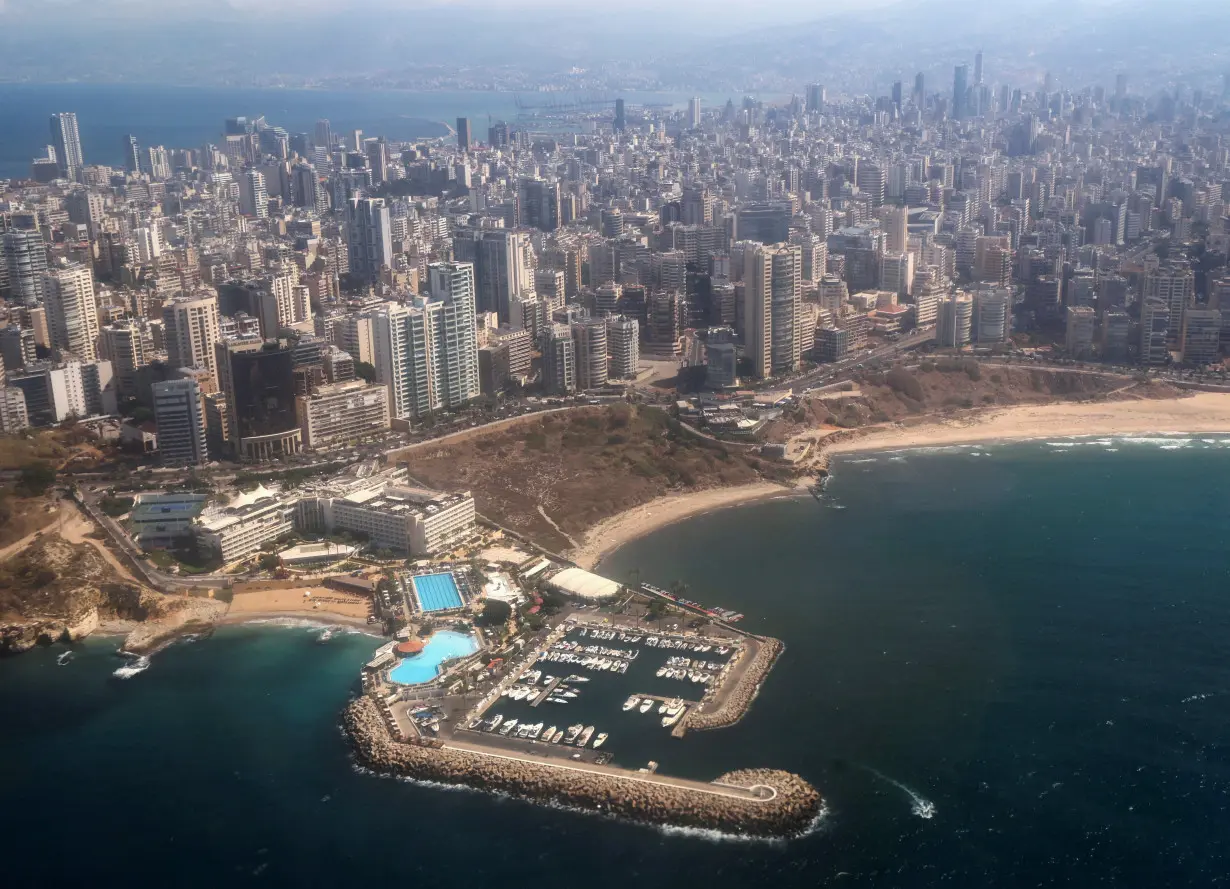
[1026, 643]
[190, 117]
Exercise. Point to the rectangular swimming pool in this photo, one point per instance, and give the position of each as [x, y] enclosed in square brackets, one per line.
[437, 592]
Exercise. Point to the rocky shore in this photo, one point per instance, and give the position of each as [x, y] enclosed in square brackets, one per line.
[781, 804]
[739, 700]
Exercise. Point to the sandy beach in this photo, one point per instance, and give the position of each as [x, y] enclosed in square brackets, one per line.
[610, 534]
[323, 604]
[1204, 412]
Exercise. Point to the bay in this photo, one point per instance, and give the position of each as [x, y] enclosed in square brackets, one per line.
[1025, 642]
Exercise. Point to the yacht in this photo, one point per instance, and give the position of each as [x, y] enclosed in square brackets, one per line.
[573, 731]
[508, 727]
[585, 736]
[600, 740]
[646, 705]
[577, 679]
[558, 736]
[547, 680]
[548, 735]
[568, 694]
[495, 722]
[631, 702]
[474, 723]
[661, 672]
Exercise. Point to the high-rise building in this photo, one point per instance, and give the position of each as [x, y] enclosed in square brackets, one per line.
[25, 261]
[954, 321]
[815, 97]
[538, 204]
[623, 344]
[502, 269]
[369, 238]
[559, 374]
[72, 311]
[590, 352]
[1078, 333]
[772, 278]
[257, 380]
[132, 155]
[190, 327]
[158, 163]
[451, 305]
[463, 133]
[1200, 336]
[992, 321]
[621, 122]
[1175, 285]
[895, 221]
[873, 182]
[960, 91]
[67, 143]
[323, 136]
[342, 412]
[17, 347]
[694, 112]
[179, 413]
[125, 346]
[978, 68]
[1154, 328]
[920, 90]
[253, 196]
[378, 160]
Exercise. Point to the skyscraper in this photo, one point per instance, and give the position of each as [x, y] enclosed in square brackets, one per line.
[451, 309]
[694, 112]
[559, 374]
[815, 97]
[621, 122]
[25, 261]
[501, 269]
[960, 89]
[132, 155]
[897, 94]
[190, 327]
[623, 347]
[180, 416]
[978, 68]
[72, 311]
[323, 137]
[772, 280]
[67, 142]
[253, 196]
[369, 238]
[463, 133]
[920, 90]
[589, 339]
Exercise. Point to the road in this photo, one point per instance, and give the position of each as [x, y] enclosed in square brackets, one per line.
[830, 373]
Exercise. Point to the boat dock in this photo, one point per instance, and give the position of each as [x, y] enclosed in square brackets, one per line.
[538, 699]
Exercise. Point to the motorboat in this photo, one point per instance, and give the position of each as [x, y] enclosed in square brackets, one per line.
[495, 722]
[64, 658]
[631, 702]
[474, 723]
[573, 731]
[585, 736]
[646, 705]
[662, 707]
[558, 736]
[600, 740]
[508, 727]
[548, 734]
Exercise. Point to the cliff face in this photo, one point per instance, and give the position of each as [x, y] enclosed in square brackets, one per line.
[59, 591]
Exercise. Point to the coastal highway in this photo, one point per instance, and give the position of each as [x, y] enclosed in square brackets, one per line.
[831, 373]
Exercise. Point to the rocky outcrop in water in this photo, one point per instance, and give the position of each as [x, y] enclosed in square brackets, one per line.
[784, 804]
[739, 699]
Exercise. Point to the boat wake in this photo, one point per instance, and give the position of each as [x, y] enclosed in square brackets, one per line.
[137, 664]
[919, 805]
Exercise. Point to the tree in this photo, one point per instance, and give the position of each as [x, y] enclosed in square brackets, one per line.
[365, 371]
[495, 613]
[36, 479]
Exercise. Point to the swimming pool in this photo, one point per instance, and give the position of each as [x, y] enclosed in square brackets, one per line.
[425, 666]
[437, 592]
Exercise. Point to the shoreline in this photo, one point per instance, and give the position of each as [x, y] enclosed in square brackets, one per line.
[1203, 413]
[614, 532]
[322, 618]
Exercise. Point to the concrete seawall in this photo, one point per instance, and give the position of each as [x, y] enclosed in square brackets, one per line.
[754, 802]
[739, 699]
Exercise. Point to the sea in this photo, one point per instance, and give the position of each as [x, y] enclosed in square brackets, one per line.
[1005, 666]
[190, 117]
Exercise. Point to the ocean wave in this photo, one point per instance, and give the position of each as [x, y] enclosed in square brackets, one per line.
[863, 460]
[139, 664]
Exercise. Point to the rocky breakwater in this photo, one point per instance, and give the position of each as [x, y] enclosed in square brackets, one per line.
[752, 803]
[731, 706]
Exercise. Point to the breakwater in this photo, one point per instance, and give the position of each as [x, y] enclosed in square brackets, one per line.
[738, 700]
[753, 802]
